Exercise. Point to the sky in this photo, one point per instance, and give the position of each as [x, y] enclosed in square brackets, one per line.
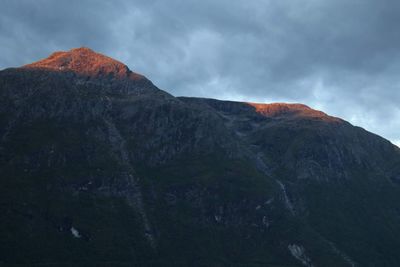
[338, 56]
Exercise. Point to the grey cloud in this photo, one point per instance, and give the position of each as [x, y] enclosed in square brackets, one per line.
[337, 55]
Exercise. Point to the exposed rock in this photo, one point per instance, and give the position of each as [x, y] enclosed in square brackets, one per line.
[299, 253]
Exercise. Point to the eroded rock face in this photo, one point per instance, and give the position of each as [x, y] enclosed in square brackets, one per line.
[90, 148]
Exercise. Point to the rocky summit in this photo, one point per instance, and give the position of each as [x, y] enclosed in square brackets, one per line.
[84, 61]
[99, 167]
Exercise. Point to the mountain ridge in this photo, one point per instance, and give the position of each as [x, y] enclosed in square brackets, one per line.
[85, 61]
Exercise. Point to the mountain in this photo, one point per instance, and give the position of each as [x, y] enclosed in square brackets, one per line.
[99, 167]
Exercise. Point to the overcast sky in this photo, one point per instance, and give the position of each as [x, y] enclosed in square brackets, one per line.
[339, 56]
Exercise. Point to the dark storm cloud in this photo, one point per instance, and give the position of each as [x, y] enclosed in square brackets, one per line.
[341, 56]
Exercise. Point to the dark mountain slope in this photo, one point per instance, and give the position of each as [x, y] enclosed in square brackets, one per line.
[339, 178]
[101, 168]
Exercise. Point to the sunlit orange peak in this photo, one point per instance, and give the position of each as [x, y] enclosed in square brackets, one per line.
[290, 110]
[85, 61]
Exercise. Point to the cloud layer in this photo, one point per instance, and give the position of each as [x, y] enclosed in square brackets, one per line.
[340, 56]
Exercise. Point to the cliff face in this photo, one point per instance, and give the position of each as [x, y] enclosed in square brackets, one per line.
[103, 168]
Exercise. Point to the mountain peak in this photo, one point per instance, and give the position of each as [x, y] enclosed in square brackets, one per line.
[85, 61]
